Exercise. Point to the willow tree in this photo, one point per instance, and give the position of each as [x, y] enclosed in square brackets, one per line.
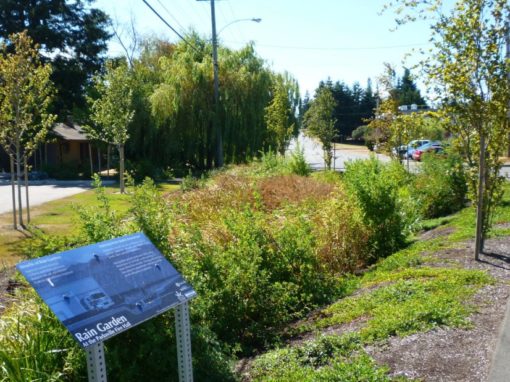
[182, 103]
[25, 95]
[112, 111]
[469, 72]
[320, 123]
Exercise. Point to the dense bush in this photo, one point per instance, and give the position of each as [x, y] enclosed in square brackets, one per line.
[256, 272]
[384, 196]
[261, 246]
[441, 185]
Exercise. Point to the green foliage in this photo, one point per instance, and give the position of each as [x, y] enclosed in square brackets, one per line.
[441, 185]
[260, 276]
[383, 194]
[297, 162]
[416, 300]
[103, 222]
[359, 132]
[320, 122]
[151, 214]
[469, 73]
[354, 105]
[328, 358]
[35, 346]
[25, 95]
[280, 116]
[191, 182]
[112, 111]
[73, 38]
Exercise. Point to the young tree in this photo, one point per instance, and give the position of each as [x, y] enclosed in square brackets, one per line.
[320, 123]
[112, 112]
[280, 116]
[73, 36]
[469, 72]
[25, 95]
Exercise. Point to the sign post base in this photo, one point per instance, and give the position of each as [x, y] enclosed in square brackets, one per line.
[96, 365]
[182, 331]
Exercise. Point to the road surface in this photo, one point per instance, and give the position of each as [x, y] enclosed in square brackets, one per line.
[344, 153]
[41, 192]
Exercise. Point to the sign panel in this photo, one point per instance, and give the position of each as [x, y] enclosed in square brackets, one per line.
[103, 289]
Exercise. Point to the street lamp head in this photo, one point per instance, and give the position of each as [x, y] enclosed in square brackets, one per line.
[257, 19]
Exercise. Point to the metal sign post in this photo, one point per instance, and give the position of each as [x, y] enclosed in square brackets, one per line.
[182, 331]
[96, 365]
[101, 290]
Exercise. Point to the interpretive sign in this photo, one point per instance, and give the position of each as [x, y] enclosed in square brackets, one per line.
[103, 289]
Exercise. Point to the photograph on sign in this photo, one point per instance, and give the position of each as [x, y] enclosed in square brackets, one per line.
[103, 289]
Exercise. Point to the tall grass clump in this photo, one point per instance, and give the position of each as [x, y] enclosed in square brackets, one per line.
[441, 185]
[383, 194]
[34, 346]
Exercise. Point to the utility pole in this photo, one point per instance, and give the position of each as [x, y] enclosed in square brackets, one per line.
[216, 125]
[508, 60]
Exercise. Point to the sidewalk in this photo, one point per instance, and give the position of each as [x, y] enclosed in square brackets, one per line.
[42, 191]
[500, 368]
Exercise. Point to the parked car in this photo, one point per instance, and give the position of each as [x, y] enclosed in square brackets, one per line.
[413, 145]
[435, 147]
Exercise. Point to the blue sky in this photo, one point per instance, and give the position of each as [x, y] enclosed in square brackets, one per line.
[345, 40]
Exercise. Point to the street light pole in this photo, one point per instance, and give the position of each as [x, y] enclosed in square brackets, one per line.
[216, 125]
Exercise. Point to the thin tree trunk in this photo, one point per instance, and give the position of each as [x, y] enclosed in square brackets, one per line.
[40, 158]
[108, 150]
[35, 160]
[26, 191]
[90, 157]
[13, 187]
[121, 168]
[480, 206]
[18, 180]
[46, 154]
[98, 159]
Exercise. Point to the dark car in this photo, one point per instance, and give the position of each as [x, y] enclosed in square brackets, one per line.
[432, 147]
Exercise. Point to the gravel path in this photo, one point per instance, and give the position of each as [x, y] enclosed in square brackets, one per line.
[447, 354]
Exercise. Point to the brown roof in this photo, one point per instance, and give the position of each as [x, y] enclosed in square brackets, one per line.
[70, 132]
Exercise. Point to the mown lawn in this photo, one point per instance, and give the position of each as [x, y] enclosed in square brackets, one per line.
[59, 217]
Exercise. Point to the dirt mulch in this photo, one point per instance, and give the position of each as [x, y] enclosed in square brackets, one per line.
[7, 287]
[446, 354]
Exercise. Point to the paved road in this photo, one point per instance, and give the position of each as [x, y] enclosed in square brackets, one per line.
[42, 191]
[314, 154]
[344, 153]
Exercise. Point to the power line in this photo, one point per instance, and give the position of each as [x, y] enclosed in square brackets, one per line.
[334, 48]
[172, 28]
[169, 14]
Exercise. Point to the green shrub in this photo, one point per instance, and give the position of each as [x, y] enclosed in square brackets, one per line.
[190, 182]
[151, 214]
[297, 163]
[259, 276]
[441, 185]
[383, 194]
[103, 222]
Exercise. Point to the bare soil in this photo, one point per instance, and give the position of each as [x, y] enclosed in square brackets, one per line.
[7, 287]
[446, 354]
